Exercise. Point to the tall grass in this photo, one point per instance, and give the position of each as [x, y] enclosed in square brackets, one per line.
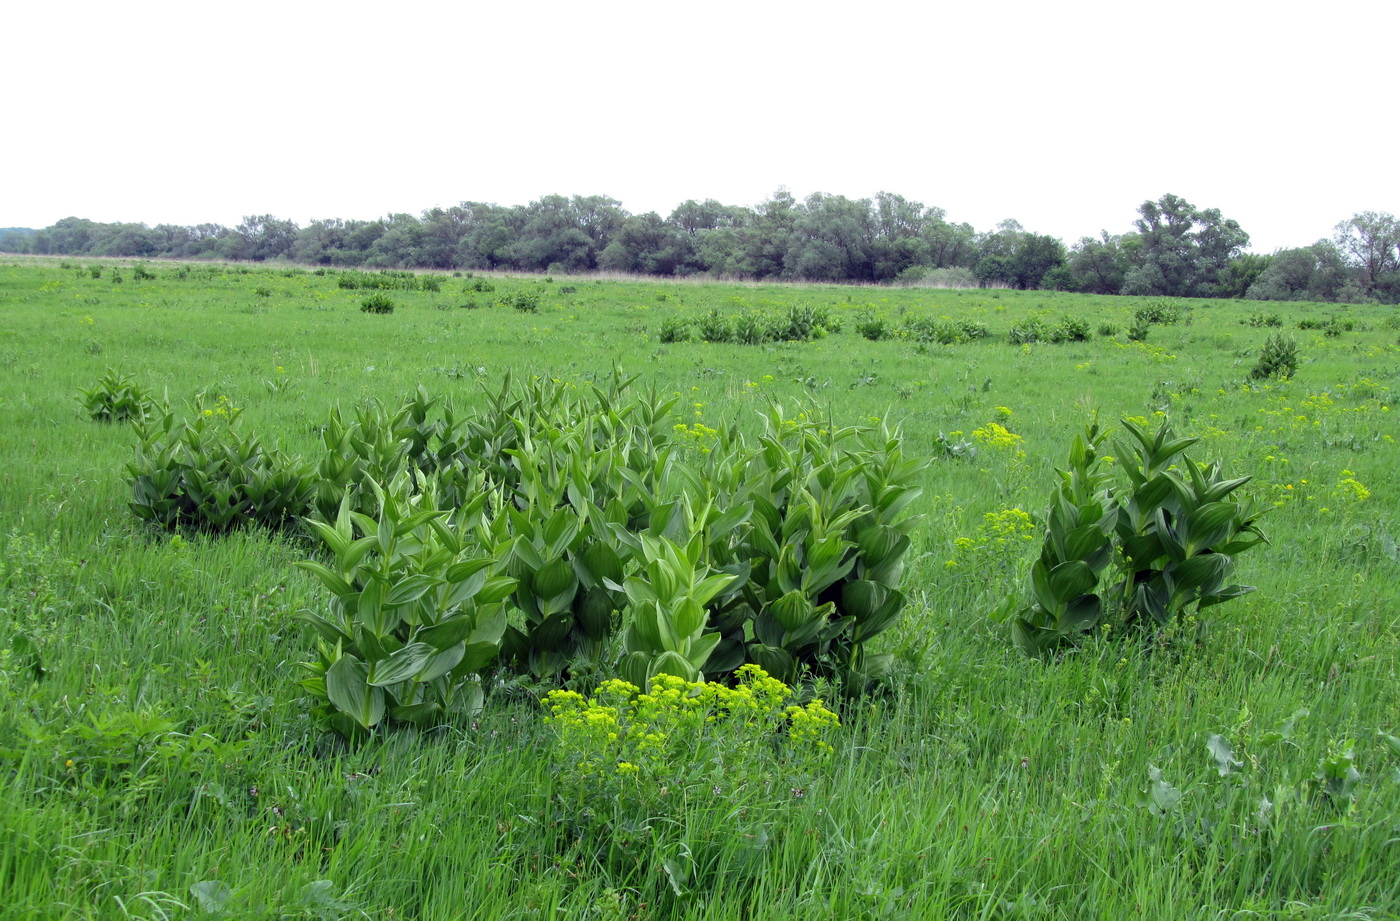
[165, 766]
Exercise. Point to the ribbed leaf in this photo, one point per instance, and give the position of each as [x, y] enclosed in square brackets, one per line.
[348, 690]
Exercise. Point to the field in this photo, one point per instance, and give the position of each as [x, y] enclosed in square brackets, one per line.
[1240, 764]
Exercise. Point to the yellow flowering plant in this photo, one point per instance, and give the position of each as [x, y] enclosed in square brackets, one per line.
[684, 767]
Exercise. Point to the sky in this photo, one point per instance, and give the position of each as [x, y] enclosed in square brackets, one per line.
[1064, 116]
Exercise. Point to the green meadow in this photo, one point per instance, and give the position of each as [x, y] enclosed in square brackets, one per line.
[159, 758]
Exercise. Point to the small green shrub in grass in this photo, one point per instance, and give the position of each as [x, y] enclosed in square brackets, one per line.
[1278, 358]
[1169, 536]
[674, 329]
[116, 398]
[377, 303]
[681, 786]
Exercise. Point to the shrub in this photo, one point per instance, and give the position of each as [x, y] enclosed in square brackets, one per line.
[1033, 330]
[480, 286]
[202, 472]
[873, 326]
[141, 273]
[674, 329]
[1108, 329]
[1161, 313]
[1071, 329]
[416, 611]
[430, 283]
[1262, 319]
[1139, 330]
[714, 327]
[1169, 535]
[750, 329]
[524, 301]
[1278, 358]
[116, 398]
[377, 303]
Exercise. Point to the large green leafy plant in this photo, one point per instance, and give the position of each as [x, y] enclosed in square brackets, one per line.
[416, 611]
[1145, 554]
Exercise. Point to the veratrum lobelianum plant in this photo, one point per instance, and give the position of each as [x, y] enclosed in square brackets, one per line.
[1143, 554]
[416, 610]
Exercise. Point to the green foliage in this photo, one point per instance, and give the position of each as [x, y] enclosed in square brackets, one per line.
[1277, 358]
[1161, 313]
[677, 781]
[944, 331]
[203, 472]
[715, 327]
[674, 329]
[1263, 319]
[377, 303]
[1170, 536]
[874, 326]
[1071, 329]
[1032, 330]
[116, 398]
[416, 611]
[523, 301]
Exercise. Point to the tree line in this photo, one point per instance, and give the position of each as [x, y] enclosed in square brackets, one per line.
[1174, 249]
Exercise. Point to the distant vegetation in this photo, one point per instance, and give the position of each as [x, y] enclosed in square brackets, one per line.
[1174, 248]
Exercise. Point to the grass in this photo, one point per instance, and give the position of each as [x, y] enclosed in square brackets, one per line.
[165, 765]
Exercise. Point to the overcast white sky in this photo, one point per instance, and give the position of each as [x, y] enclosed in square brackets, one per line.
[1064, 116]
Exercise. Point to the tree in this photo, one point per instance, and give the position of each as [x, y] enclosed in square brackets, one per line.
[1035, 256]
[1310, 273]
[1183, 249]
[1240, 274]
[1370, 242]
[1100, 266]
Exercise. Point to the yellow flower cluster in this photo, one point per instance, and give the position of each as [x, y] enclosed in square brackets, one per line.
[996, 436]
[621, 731]
[1002, 536]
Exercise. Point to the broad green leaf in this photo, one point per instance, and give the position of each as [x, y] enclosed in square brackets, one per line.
[348, 689]
[400, 666]
[448, 632]
[1070, 579]
[442, 662]
[331, 579]
[409, 589]
[793, 611]
[1222, 754]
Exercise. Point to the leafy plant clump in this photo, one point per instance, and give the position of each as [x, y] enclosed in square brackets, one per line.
[1278, 358]
[378, 302]
[116, 398]
[1140, 555]
[203, 472]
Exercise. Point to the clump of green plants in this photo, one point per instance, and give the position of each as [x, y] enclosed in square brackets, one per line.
[480, 286]
[1140, 555]
[523, 301]
[1278, 358]
[1162, 313]
[1108, 329]
[1070, 329]
[944, 331]
[203, 472]
[1032, 330]
[116, 398]
[378, 302]
[715, 327]
[674, 329]
[141, 273]
[416, 612]
[874, 326]
[686, 781]
[1258, 320]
